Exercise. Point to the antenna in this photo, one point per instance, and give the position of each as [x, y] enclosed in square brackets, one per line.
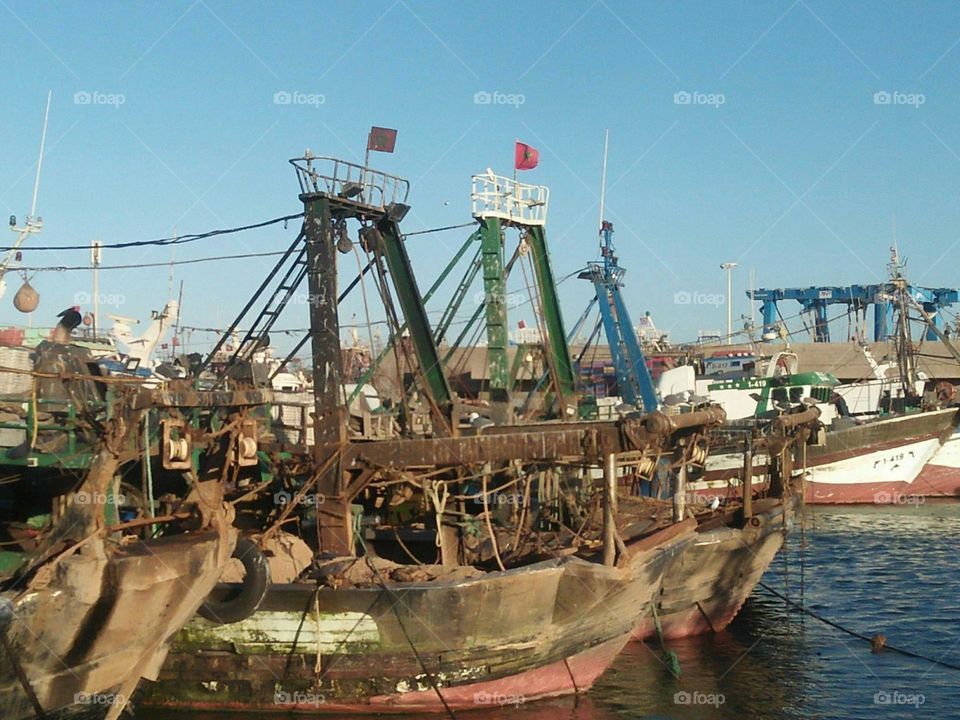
[32, 224]
[43, 142]
[603, 177]
[173, 252]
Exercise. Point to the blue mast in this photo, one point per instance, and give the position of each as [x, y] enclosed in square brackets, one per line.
[633, 376]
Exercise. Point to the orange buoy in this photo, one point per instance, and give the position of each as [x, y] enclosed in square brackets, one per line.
[27, 299]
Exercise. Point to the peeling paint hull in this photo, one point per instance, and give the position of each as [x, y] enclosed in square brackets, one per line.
[102, 619]
[541, 631]
[718, 572]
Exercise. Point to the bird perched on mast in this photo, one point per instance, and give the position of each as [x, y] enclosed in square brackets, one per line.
[70, 319]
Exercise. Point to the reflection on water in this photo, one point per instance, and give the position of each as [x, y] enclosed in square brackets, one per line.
[890, 570]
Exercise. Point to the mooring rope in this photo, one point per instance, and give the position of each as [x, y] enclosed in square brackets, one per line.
[416, 653]
[854, 633]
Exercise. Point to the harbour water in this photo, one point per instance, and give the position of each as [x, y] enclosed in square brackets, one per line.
[889, 570]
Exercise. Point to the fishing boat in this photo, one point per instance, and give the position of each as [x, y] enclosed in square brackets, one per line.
[542, 630]
[97, 572]
[454, 559]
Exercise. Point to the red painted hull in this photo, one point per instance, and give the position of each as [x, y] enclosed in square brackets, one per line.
[938, 481]
[712, 619]
[932, 482]
[575, 674]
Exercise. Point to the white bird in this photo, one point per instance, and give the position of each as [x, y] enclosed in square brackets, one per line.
[715, 503]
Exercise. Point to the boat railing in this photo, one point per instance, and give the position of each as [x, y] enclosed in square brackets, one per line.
[502, 197]
[349, 181]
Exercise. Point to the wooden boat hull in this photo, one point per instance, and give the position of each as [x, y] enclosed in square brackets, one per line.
[718, 572]
[85, 632]
[510, 637]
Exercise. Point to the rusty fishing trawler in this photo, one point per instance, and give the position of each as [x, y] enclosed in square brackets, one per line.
[94, 580]
[438, 552]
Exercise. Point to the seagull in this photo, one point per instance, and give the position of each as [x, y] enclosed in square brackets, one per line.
[715, 503]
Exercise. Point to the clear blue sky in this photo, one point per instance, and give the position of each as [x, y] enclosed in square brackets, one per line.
[797, 174]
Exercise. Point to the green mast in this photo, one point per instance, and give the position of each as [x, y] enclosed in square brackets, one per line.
[499, 203]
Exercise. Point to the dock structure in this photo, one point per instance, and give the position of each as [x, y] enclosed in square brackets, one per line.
[856, 299]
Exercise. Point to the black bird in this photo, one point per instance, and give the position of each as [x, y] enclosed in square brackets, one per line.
[70, 319]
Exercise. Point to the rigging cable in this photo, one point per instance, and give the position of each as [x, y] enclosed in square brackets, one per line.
[174, 240]
[854, 633]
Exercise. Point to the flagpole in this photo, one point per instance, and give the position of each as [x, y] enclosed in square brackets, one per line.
[366, 165]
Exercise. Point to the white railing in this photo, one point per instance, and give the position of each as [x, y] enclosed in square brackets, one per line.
[504, 198]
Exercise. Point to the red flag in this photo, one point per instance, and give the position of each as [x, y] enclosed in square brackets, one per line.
[525, 157]
[381, 139]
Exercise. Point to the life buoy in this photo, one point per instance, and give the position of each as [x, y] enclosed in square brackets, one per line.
[945, 391]
[230, 603]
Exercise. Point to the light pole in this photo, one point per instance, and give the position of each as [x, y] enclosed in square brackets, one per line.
[729, 266]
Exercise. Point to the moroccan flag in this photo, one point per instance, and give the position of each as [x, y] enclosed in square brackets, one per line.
[381, 139]
[525, 157]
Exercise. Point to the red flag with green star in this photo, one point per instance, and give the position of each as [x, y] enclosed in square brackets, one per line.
[525, 157]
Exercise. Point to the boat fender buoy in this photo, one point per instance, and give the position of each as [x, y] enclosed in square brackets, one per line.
[227, 604]
[27, 299]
